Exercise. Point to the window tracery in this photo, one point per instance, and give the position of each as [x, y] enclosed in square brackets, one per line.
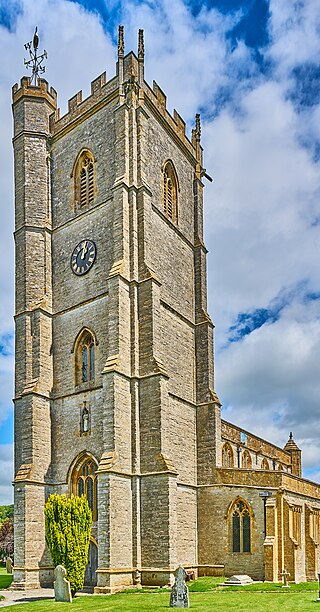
[170, 192]
[246, 461]
[84, 177]
[84, 482]
[85, 357]
[241, 526]
[265, 464]
[227, 455]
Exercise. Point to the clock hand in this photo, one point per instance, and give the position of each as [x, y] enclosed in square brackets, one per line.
[84, 250]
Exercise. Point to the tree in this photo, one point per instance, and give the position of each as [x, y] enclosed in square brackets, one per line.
[6, 537]
[68, 525]
[6, 512]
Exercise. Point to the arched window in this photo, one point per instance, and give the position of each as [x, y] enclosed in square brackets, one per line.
[170, 192]
[280, 468]
[84, 178]
[246, 461]
[265, 464]
[241, 526]
[85, 357]
[227, 455]
[84, 482]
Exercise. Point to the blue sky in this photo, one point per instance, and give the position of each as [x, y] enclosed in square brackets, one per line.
[253, 71]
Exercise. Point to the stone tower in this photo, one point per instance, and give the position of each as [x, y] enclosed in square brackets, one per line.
[114, 360]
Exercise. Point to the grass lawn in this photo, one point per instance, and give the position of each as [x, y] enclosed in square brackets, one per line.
[5, 579]
[205, 595]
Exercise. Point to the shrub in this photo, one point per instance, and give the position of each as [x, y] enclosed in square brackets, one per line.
[68, 524]
[6, 537]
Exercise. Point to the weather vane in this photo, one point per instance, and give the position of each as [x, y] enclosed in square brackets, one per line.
[35, 60]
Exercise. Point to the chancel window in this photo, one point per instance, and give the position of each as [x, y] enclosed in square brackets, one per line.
[84, 482]
[241, 527]
[85, 357]
[227, 455]
[170, 192]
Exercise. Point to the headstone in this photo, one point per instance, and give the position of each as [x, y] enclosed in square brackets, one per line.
[238, 580]
[62, 591]
[9, 565]
[179, 594]
[285, 575]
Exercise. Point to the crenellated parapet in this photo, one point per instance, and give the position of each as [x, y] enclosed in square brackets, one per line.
[41, 90]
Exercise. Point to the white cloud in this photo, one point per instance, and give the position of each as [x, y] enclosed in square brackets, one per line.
[261, 209]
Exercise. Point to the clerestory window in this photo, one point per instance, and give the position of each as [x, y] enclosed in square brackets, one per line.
[227, 455]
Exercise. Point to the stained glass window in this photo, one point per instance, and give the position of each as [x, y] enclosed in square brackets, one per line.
[85, 483]
[241, 527]
[85, 358]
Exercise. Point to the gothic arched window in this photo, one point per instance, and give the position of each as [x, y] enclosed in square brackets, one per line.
[241, 526]
[85, 357]
[246, 461]
[170, 192]
[227, 455]
[84, 482]
[84, 178]
[265, 464]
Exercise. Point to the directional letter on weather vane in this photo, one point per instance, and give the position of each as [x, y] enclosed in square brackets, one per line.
[35, 60]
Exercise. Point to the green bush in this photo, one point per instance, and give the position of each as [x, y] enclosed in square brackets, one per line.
[68, 525]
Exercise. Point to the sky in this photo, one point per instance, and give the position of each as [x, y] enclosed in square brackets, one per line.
[252, 69]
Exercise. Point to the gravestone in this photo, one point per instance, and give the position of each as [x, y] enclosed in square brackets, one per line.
[179, 594]
[9, 565]
[285, 575]
[238, 580]
[62, 591]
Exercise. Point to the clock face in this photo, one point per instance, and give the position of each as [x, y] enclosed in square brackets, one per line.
[83, 256]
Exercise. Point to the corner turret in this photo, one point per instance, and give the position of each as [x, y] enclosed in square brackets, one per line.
[295, 452]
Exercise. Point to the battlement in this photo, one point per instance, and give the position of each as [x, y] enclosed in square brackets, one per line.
[41, 90]
[103, 91]
[129, 73]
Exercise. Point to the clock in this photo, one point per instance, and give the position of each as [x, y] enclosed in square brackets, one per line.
[83, 256]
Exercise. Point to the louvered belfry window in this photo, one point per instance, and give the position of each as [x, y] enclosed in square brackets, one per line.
[170, 189]
[86, 181]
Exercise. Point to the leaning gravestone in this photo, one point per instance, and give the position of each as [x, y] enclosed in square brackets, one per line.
[179, 594]
[62, 591]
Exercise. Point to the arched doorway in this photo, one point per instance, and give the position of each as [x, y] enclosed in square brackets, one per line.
[90, 577]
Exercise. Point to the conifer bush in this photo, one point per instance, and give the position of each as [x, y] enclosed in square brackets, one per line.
[68, 525]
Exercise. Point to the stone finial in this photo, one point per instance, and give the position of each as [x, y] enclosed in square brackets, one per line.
[120, 42]
[141, 46]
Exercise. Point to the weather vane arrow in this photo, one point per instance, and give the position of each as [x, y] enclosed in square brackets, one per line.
[35, 60]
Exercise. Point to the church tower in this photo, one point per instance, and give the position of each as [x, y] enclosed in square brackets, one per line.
[114, 356]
